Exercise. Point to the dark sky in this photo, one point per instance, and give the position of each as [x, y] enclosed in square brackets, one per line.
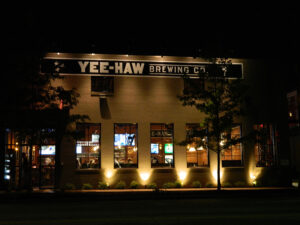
[157, 29]
[154, 29]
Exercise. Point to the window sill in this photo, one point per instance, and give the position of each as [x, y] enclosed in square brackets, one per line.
[199, 168]
[163, 168]
[88, 171]
[232, 166]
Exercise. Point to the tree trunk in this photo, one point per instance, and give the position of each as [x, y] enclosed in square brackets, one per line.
[218, 168]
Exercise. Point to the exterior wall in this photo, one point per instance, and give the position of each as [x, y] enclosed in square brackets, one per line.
[145, 100]
[295, 150]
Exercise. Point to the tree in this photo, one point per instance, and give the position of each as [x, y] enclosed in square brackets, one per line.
[32, 104]
[222, 102]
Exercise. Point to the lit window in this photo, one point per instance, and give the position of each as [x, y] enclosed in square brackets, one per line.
[88, 146]
[17, 155]
[162, 148]
[232, 156]
[197, 152]
[125, 146]
[265, 145]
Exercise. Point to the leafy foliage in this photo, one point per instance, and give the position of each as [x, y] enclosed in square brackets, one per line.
[134, 184]
[196, 184]
[120, 185]
[102, 185]
[221, 101]
[36, 108]
[87, 186]
[152, 186]
[69, 186]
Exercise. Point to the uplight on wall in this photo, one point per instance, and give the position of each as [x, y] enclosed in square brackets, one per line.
[253, 174]
[108, 174]
[252, 179]
[144, 176]
[215, 175]
[182, 175]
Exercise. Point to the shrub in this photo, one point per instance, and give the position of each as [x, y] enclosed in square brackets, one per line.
[240, 184]
[226, 184]
[177, 184]
[87, 186]
[168, 185]
[151, 186]
[257, 183]
[209, 185]
[120, 185]
[196, 184]
[134, 184]
[102, 185]
[69, 186]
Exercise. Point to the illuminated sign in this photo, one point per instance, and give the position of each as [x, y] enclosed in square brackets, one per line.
[136, 68]
[48, 150]
[154, 148]
[169, 148]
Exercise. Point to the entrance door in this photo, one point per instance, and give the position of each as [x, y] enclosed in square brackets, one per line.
[28, 165]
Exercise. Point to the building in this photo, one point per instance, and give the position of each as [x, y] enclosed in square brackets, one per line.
[136, 119]
[294, 128]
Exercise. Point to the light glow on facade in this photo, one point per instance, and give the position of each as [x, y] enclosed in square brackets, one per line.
[182, 175]
[108, 174]
[144, 176]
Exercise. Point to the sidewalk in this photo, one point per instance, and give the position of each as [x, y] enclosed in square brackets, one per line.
[167, 190]
[142, 194]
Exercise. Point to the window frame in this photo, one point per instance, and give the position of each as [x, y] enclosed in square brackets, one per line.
[136, 145]
[242, 164]
[271, 136]
[99, 154]
[173, 154]
[207, 150]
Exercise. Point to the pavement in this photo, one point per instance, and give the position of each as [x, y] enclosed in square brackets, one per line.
[141, 194]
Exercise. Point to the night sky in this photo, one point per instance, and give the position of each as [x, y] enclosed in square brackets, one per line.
[188, 30]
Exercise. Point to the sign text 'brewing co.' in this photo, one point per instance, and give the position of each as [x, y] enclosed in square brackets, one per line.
[133, 68]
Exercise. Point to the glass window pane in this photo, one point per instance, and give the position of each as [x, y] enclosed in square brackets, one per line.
[232, 156]
[265, 144]
[162, 146]
[125, 146]
[88, 146]
[196, 150]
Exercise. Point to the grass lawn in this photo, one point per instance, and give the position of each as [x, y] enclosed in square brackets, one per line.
[213, 210]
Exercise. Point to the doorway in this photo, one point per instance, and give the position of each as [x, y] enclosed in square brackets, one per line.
[28, 166]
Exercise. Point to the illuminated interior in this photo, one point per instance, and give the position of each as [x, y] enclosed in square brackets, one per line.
[233, 155]
[88, 146]
[162, 148]
[197, 152]
[17, 159]
[125, 145]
